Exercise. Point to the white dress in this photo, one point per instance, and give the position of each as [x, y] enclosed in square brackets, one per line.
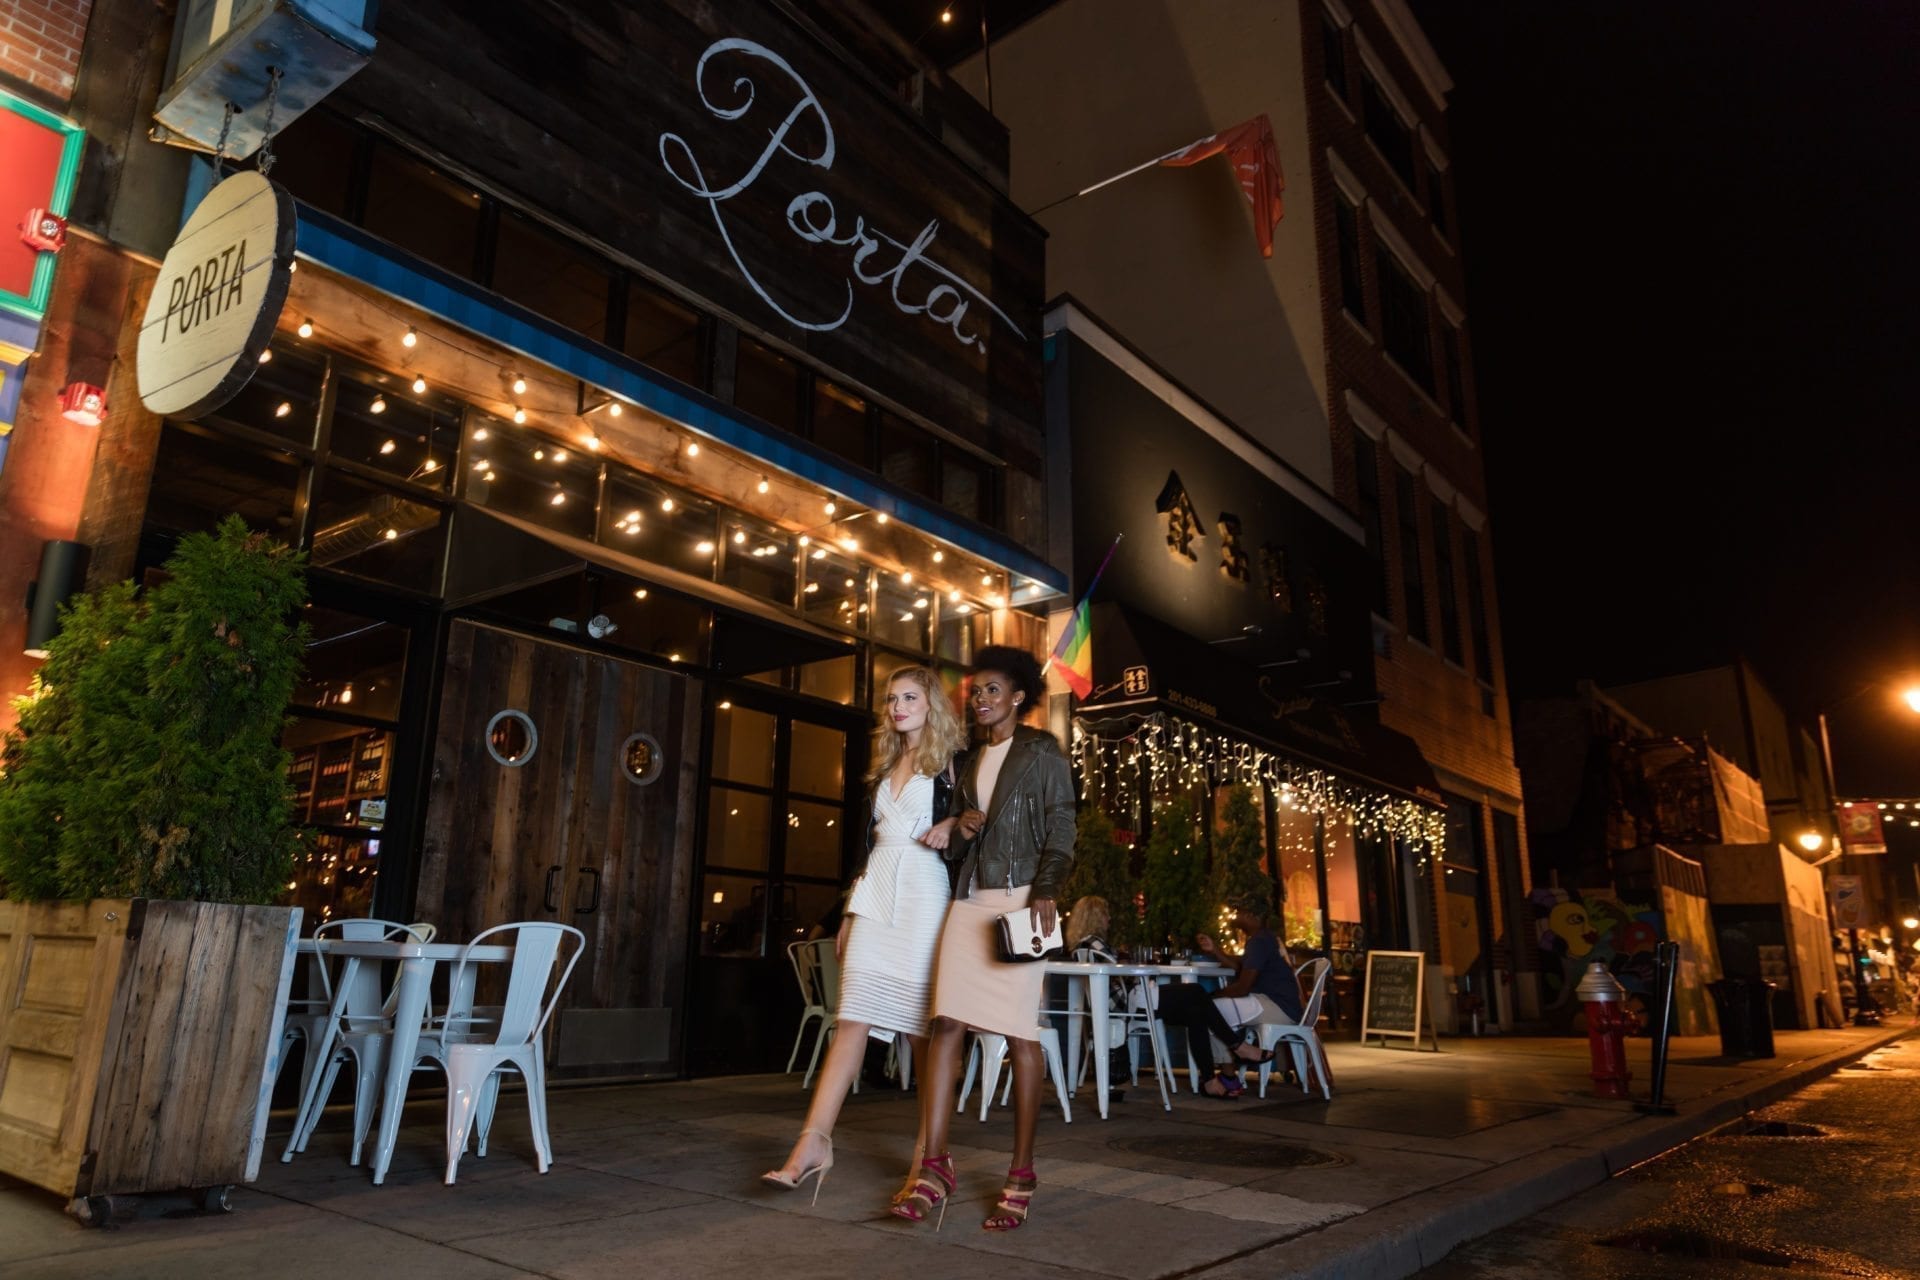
[898, 906]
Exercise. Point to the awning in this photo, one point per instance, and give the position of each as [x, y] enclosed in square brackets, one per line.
[1142, 665]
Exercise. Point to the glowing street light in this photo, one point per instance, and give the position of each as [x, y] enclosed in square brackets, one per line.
[1812, 841]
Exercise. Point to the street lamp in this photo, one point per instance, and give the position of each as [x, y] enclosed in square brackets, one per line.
[1812, 841]
[1912, 697]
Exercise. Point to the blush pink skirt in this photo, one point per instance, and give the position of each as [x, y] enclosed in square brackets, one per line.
[972, 984]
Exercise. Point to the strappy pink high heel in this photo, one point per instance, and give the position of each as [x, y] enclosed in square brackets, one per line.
[928, 1192]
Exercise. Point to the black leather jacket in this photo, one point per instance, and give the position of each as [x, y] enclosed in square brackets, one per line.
[1028, 836]
[942, 809]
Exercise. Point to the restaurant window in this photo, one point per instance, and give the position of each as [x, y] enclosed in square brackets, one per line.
[282, 399]
[659, 523]
[833, 679]
[339, 776]
[551, 276]
[663, 335]
[903, 613]
[767, 385]
[422, 210]
[1436, 197]
[1412, 578]
[518, 472]
[909, 457]
[967, 484]
[1353, 289]
[371, 532]
[1392, 135]
[199, 478]
[314, 160]
[1404, 327]
[835, 590]
[352, 663]
[1366, 475]
[379, 422]
[1477, 606]
[758, 558]
[963, 629]
[1344, 915]
[649, 620]
[1455, 373]
[1443, 582]
[1333, 51]
[840, 424]
[1300, 907]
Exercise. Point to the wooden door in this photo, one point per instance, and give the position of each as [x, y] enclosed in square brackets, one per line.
[561, 787]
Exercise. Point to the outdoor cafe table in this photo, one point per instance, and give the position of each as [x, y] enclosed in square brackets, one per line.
[416, 961]
[1084, 976]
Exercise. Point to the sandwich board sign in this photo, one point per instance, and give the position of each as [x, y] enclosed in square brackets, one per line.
[1395, 1000]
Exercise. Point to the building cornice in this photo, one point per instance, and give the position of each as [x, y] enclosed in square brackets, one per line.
[1420, 55]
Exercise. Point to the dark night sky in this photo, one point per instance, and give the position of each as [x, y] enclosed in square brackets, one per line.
[1689, 231]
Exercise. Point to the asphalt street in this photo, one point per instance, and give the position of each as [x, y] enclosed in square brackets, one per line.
[1825, 1183]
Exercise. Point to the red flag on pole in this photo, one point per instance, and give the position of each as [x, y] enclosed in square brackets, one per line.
[1256, 163]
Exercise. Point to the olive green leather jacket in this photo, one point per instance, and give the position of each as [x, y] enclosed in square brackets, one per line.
[1028, 836]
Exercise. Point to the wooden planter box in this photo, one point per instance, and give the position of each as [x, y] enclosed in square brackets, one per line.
[138, 1041]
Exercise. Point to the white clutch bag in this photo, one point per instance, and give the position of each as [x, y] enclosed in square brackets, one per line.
[1023, 941]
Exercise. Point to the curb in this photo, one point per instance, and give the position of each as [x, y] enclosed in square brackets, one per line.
[1399, 1239]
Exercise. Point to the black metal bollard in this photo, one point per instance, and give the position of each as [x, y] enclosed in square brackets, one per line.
[1666, 973]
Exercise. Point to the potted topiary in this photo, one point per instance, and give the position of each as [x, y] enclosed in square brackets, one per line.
[145, 824]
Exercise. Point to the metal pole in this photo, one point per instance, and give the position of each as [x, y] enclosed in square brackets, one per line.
[1866, 1010]
[1666, 972]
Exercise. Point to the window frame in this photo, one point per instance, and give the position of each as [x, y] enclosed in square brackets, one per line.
[1413, 589]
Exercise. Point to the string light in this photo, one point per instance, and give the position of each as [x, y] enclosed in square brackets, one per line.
[763, 486]
[592, 443]
[519, 416]
[419, 386]
[392, 534]
[666, 504]
[805, 541]
[906, 578]
[519, 385]
[387, 446]
[938, 556]
[693, 448]
[479, 433]
[379, 405]
[282, 409]
[306, 328]
[411, 339]
[639, 593]
[613, 408]
[266, 355]
[559, 499]
[830, 507]
[881, 517]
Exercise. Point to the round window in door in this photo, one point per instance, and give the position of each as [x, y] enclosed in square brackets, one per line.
[511, 738]
[641, 759]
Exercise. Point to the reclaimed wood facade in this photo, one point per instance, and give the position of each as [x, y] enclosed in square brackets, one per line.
[138, 1041]
[568, 836]
[572, 112]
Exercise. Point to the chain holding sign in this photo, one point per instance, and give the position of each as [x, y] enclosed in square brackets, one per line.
[218, 297]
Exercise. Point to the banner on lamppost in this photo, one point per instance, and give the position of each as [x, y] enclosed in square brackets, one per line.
[1860, 830]
[1847, 901]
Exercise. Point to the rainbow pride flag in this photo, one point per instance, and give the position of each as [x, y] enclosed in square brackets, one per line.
[1073, 655]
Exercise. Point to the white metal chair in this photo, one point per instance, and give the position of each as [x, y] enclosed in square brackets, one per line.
[474, 1050]
[988, 1055]
[1301, 1038]
[1142, 1022]
[366, 1024]
[810, 971]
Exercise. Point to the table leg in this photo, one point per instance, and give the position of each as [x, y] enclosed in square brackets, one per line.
[310, 1100]
[1097, 1002]
[410, 1007]
[1074, 1002]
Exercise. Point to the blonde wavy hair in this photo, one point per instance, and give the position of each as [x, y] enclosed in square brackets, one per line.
[945, 733]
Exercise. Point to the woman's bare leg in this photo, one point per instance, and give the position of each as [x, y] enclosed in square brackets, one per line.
[919, 1046]
[844, 1056]
[1029, 1073]
[939, 1080]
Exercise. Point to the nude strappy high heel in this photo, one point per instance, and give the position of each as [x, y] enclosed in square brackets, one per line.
[817, 1171]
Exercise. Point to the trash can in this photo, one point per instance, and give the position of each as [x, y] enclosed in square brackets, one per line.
[1745, 1006]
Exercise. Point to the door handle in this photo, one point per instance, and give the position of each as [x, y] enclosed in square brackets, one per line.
[553, 885]
[593, 904]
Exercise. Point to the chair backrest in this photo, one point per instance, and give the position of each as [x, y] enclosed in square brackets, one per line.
[819, 959]
[364, 1000]
[532, 991]
[806, 972]
[1314, 974]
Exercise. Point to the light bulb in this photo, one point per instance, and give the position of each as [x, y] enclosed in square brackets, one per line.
[851, 544]
[479, 433]
[592, 443]
[805, 541]
[812, 587]
[411, 338]
[820, 553]
[379, 405]
[387, 446]
[938, 556]
[830, 508]
[954, 595]
[881, 517]
[693, 449]
[921, 603]
[965, 608]
[559, 499]
[703, 547]
[906, 577]
[986, 579]
[738, 537]
[282, 409]
[666, 504]
[539, 455]
[613, 409]
[559, 455]
[419, 385]
[483, 465]
[946, 16]
[392, 534]
[633, 517]
[763, 486]
[266, 355]
[430, 465]
[519, 385]
[306, 328]
[519, 415]
[640, 593]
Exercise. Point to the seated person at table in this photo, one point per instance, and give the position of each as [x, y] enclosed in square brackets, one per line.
[1264, 990]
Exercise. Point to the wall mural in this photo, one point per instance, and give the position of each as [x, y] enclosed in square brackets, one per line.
[1578, 929]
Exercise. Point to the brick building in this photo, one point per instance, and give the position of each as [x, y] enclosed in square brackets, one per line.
[1347, 354]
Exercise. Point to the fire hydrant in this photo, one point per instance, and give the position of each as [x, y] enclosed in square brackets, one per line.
[1607, 1025]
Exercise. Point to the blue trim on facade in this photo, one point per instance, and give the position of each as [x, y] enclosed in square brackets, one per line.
[351, 252]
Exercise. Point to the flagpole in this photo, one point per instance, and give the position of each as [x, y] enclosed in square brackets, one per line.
[1107, 182]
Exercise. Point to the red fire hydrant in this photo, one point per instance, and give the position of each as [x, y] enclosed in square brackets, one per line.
[1607, 1025]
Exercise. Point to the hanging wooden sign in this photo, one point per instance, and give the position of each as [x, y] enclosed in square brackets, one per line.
[1395, 1000]
[219, 294]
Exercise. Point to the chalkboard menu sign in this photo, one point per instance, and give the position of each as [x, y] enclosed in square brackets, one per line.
[1395, 1003]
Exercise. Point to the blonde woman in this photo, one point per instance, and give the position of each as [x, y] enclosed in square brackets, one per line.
[894, 914]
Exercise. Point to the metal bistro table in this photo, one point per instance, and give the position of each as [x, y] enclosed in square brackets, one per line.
[1084, 998]
[416, 961]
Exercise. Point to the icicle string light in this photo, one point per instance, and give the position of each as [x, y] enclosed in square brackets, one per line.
[1181, 756]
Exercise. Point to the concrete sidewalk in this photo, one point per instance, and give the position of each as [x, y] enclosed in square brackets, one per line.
[1416, 1153]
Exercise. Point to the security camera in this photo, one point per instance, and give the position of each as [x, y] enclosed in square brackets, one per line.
[600, 626]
